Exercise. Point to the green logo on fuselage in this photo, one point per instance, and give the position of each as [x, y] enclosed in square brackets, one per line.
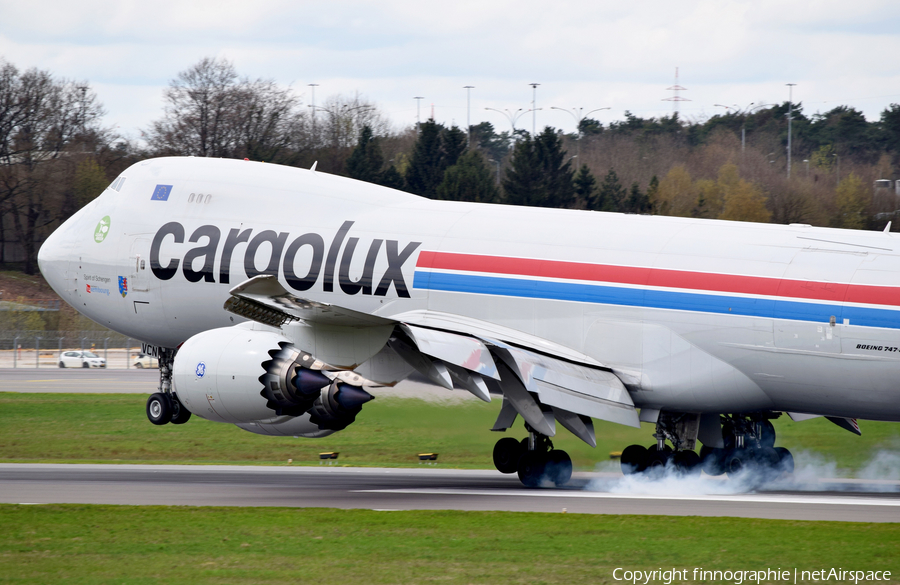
[102, 229]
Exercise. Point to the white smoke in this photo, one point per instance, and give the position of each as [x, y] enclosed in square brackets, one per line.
[812, 473]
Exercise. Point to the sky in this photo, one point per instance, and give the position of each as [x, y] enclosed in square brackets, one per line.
[585, 55]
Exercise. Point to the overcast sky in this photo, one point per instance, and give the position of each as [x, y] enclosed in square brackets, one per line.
[615, 54]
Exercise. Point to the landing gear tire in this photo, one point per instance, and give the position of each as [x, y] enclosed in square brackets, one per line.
[712, 460]
[634, 459]
[159, 410]
[532, 466]
[507, 452]
[785, 460]
[736, 461]
[687, 463]
[657, 460]
[180, 414]
[559, 467]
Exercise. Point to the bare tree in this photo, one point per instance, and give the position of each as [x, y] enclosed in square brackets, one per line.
[211, 111]
[42, 120]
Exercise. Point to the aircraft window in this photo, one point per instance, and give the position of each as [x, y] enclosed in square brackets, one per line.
[191, 198]
[200, 198]
[208, 197]
[121, 183]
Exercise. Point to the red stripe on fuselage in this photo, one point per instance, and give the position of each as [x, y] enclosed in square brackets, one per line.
[683, 279]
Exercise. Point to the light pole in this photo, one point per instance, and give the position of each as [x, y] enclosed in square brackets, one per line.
[336, 115]
[747, 111]
[790, 117]
[511, 116]
[806, 160]
[837, 180]
[312, 87]
[418, 99]
[578, 120]
[534, 87]
[468, 89]
[496, 162]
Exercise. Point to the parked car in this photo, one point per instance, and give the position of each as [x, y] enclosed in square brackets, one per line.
[145, 361]
[81, 359]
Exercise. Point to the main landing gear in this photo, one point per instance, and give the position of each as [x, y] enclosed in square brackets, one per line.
[534, 459]
[164, 407]
[749, 447]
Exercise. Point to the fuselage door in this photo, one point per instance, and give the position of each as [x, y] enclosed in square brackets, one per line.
[138, 260]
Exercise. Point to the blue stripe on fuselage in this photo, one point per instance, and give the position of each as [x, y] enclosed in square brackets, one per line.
[657, 299]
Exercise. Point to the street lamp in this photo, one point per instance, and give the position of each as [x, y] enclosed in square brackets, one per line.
[806, 160]
[534, 107]
[511, 116]
[336, 113]
[579, 118]
[746, 112]
[468, 89]
[496, 162]
[418, 99]
[790, 117]
[313, 87]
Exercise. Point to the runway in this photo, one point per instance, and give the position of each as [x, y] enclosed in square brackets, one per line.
[405, 489]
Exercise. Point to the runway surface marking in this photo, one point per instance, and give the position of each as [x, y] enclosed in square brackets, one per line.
[756, 498]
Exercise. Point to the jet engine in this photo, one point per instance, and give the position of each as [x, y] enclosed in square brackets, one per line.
[245, 375]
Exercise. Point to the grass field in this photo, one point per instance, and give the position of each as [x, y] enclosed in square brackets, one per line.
[109, 544]
[113, 428]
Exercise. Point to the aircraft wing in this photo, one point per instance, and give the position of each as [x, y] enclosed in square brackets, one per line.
[541, 381]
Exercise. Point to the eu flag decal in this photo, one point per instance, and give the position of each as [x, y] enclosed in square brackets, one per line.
[161, 193]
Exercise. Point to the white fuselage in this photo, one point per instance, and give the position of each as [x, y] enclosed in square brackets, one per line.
[692, 315]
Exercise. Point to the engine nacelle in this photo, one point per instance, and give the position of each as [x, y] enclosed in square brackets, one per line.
[241, 375]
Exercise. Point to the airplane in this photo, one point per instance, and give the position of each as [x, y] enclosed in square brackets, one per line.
[281, 299]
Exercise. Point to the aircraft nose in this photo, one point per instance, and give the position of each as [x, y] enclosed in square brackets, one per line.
[53, 260]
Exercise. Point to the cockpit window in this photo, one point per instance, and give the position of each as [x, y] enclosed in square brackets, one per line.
[117, 184]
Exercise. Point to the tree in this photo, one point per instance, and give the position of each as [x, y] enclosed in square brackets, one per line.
[540, 175]
[745, 202]
[211, 111]
[852, 199]
[469, 179]
[41, 119]
[90, 181]
[585, 184]
[675, 194]
[611, 194]
[636, 202]
[437, 148]
[365, 161]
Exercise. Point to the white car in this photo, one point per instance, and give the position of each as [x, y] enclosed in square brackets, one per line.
[145, 361]
[81, 359]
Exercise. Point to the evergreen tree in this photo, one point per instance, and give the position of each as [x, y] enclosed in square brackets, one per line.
[469, 179]
[585, 183]
[636, 202]
[611, 195]
[540, 175]
[392, 178]
[436, 149]
[365, 161]
[453, 144]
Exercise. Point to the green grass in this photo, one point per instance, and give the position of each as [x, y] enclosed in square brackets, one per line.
[114, 428]
[123, 544]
